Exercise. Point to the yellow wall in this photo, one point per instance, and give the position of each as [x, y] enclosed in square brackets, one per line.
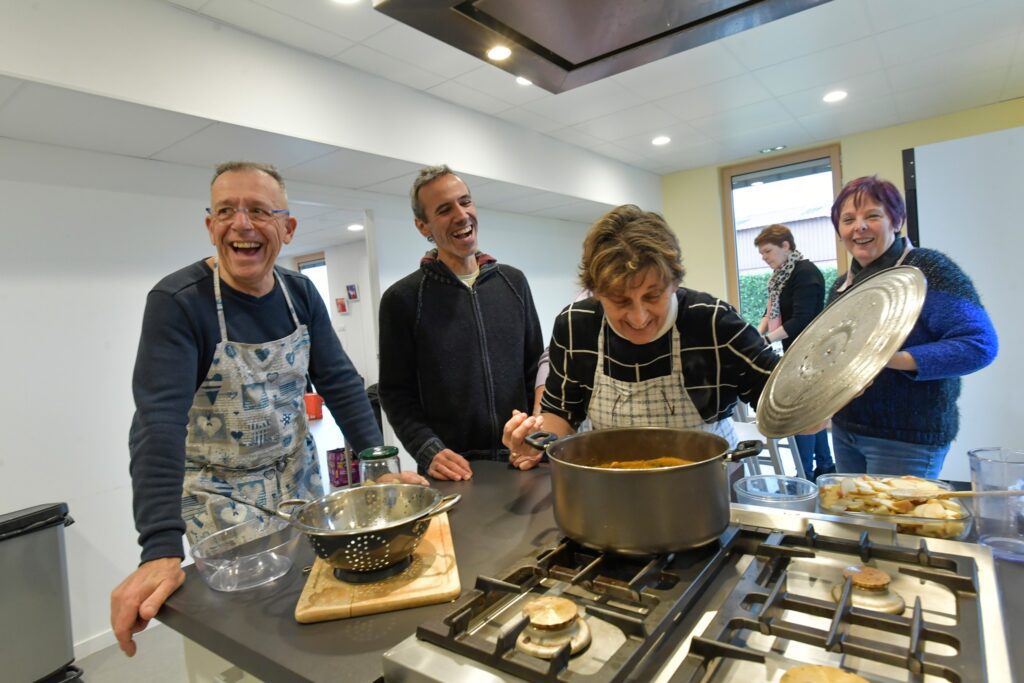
[692, 199]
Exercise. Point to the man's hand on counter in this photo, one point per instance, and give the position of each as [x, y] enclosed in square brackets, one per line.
[448, 464]
[139, 597]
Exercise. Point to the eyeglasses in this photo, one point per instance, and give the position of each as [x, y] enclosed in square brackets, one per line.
[257, 215]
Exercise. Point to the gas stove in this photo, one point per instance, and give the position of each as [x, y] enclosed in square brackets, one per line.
[777, 591]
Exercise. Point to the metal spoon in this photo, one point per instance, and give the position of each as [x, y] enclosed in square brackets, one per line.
[918, 494]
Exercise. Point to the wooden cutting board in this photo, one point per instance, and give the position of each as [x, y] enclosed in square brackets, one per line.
[432, 577]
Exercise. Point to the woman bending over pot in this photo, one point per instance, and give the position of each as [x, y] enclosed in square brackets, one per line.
[904, 422]
[642, 351]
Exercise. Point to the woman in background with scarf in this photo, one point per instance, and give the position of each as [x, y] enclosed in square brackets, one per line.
[796, 294]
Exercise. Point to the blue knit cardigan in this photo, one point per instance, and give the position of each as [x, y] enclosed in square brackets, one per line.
[953, 337]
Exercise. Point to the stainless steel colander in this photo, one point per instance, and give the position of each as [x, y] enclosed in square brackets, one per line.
[367, 528]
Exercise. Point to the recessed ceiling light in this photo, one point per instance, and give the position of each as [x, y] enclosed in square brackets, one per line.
[834, 96]
[355, 227]
[661, 140]
[523, 81]
[498, 53]
[757, 182]
[776, 148]
[346, 2]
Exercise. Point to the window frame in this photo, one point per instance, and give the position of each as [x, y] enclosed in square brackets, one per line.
[725, 176]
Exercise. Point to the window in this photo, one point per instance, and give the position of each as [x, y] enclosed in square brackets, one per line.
[795, 190]
[314, 266]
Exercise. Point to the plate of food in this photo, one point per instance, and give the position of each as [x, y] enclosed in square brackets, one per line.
[885, 498]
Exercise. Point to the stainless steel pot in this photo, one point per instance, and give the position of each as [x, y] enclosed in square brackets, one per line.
[641, 511]
[367, 529]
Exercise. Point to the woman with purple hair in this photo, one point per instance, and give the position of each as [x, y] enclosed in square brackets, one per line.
[905, 421]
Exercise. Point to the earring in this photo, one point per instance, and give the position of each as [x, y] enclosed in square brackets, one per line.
[430, 238]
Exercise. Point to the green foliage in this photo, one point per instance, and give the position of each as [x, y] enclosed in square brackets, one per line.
[754, 292]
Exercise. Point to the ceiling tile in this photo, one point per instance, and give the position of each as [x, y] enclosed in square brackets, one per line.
[575, 137]
[715, 97]
[821, 68]
[683, 71]
[584, 103]
[1014, 85]
[427, 52]
[384, 65]
[580, 211]
[958, 93]
[495, 82]
[627, 123]
[610, 149]
[681, 134]
[7, 88]
[860, 88]
[939, 67]
[465, 96]
[189, 4]
[40, 113]
[533, 203]
[272, 24]
[527, 119]
[886, 14]
[799, 34]
[977, 23]
[351, 169]
[851, 117]
[399, 186]
[355, 22]
[221, 141]
[497, 193]
[735, 121]
[747, 143]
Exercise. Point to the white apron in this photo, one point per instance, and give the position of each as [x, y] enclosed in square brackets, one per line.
[248, 446]
[658, 402]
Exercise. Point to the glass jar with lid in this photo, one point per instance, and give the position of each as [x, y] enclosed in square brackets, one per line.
[376, 462]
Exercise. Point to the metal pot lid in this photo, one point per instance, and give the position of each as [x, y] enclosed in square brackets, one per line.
[839, 354]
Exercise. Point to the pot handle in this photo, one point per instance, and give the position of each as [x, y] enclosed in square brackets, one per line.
[291, 502]
[541, 440]
[446, 504]
[744, 449]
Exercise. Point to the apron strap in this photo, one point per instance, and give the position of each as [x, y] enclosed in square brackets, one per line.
[220, 302]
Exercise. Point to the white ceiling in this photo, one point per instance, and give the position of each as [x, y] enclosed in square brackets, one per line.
[900, 60]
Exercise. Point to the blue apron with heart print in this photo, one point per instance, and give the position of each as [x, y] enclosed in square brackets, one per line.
[248, 446]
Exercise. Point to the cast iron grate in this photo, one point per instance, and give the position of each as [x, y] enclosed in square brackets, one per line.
[757, 604]
[643, 597]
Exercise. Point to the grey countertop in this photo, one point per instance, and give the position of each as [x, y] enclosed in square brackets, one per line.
[503, 516]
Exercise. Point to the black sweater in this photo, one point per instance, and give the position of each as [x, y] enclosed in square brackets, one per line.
[801, 299]
[455, 361]
[179, 335]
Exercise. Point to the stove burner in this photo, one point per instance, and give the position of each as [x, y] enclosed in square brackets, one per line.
[814, 673]
[870, 590]
[551, 613]
[376, 575]
[553, 622]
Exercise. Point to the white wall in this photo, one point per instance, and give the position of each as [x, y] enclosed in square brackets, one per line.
[86, 236]
[347, 264]
[968, 207]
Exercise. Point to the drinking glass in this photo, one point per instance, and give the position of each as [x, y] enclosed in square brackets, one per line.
[1000, 519]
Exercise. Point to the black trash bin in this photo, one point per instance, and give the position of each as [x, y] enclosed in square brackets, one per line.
[36, 616]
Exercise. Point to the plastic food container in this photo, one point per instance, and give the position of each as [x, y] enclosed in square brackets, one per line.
[246, 555]
[831, 501]
[775, 491]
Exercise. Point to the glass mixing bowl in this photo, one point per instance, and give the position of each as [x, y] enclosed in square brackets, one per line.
[776, 491]
[246, 555]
